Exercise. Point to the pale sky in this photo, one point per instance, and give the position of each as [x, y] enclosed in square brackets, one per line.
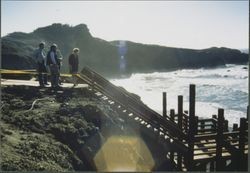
[186, 24]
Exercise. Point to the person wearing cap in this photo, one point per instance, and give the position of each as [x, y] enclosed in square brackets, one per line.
[73, 64]
[40, 59]
[53, 63]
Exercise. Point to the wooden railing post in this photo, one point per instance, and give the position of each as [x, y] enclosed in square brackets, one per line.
[191, 128]
[202, 125]
[180, 112]
[242, 141]
[219, 140]
[225, 126]
[214, 123]
[196, 120]
[235, 127]
[164, 104]
[180, 125]
[172, 114]
[248, 112]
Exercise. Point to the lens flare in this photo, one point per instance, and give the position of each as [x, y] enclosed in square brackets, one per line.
[124, 153]
[122, 50]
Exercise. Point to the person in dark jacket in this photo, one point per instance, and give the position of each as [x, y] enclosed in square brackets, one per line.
[73, 64]
[40, 58]
[53, 63]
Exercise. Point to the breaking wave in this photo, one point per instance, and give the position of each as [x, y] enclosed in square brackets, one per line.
[224, 87]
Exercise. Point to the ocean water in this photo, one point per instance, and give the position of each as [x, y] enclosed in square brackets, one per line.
[224, 87]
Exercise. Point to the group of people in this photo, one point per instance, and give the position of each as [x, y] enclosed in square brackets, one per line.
[52, 62]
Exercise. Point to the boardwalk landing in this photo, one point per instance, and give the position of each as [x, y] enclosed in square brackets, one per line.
[189, 143]
[35, 83]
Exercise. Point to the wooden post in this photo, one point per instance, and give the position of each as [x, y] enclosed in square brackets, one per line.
[180, 123]
[191, 128]
[172, 113]
[214, 123]
[219, 140]
[164, 104]
[248, 112]
[180, 112]
[186, 125]
[202, 124]
[196, 120]
[225, 126]
[235, 127]
[242, 141]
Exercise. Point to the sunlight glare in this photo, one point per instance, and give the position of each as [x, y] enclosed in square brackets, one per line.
[124, 153]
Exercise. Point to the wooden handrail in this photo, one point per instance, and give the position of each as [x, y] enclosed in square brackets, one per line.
[131, 101]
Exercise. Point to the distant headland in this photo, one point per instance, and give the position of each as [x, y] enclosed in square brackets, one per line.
[105, 57]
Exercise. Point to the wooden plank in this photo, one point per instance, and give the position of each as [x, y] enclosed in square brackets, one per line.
[206, 125]
[205, 147]
[208, 120]
[213, 135]
[202, 131]
[210, 151]
[210, 158]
